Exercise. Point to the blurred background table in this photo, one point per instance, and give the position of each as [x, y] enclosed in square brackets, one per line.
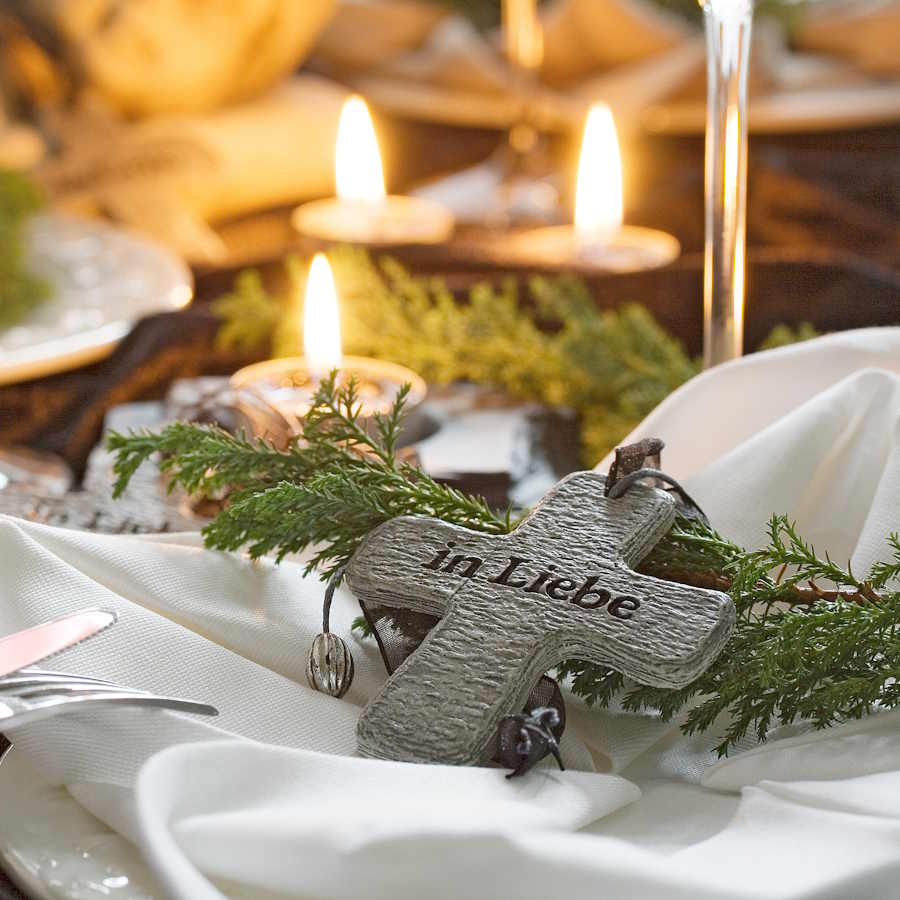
[823, 247]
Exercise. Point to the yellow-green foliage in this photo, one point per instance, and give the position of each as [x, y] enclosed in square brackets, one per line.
[548, 342]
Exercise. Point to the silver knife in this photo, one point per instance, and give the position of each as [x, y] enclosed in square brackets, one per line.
[25, 648]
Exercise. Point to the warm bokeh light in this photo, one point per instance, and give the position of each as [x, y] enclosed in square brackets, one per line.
[598, 193]
[321, 325]
[523, 34]
[357, 166]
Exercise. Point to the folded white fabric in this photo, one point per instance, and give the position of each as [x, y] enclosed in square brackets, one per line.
[811, 431]
[302, 827]
[353, 827]
[191, 623]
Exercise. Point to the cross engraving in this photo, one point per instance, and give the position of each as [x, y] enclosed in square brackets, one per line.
[560, 586]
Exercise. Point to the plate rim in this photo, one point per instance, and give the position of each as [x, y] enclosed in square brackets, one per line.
[93, 344]
[656, 119]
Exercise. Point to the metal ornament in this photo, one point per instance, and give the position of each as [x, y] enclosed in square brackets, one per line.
[525, 739]
[561, 586]
[329, 667]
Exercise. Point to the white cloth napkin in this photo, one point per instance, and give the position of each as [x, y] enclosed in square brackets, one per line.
[811, 431]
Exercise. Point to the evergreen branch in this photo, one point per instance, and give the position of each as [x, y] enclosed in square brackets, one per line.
[547, 342]
[205, 458]
[884, 572]
[798, 650]
[334, 510]
[333, 484]
[825, 656]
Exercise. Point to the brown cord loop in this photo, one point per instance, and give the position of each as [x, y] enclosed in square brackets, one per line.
[626, 482]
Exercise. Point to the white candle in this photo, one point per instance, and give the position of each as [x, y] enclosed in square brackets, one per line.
[597, 239]
[288, 385]
[363, 212]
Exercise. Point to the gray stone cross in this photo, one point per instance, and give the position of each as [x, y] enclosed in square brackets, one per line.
[513, 606]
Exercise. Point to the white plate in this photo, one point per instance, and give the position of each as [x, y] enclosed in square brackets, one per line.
[104, 279]
[55, 850]
[789, 111]
[793, 112]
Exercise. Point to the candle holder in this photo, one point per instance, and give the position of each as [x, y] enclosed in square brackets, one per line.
[288, 386]
[630, 249]
[362, 212]
[392, 220]
[597, 240]
[728, 25]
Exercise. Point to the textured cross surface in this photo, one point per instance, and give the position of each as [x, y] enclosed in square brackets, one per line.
[560, 586]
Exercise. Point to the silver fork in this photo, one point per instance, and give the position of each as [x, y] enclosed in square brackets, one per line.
[30, 696]
[30, 676]
[34, 677]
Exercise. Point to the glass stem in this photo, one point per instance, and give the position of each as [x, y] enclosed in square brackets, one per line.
[524, 45]
[728, 24]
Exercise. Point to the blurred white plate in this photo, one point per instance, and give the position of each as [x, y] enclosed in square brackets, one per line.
[793, 112]
[104, 279]
[56, 850]
[790, 111]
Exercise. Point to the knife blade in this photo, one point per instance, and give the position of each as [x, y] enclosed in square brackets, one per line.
[35, 644]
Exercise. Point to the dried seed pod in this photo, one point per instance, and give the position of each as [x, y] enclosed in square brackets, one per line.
[329, 668]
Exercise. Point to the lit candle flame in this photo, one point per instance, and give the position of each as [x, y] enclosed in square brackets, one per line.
[598, 192]
[321, 326]
[357, 166]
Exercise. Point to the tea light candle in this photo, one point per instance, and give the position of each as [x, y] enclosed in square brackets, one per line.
[362, 212]
[597, 239]
[288, 385]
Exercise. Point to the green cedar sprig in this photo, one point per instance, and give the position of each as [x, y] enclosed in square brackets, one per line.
[336, 482]
[812, 640]
[547, 342]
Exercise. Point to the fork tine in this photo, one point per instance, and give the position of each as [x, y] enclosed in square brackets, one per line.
[67, 688]
[22, 679]
[28, 713]
[36, 670]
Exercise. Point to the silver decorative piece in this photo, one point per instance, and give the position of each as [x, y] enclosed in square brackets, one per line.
[329, 667]
[562, 585]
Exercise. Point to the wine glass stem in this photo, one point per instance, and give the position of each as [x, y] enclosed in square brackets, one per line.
[524, 46]
[728, 25]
